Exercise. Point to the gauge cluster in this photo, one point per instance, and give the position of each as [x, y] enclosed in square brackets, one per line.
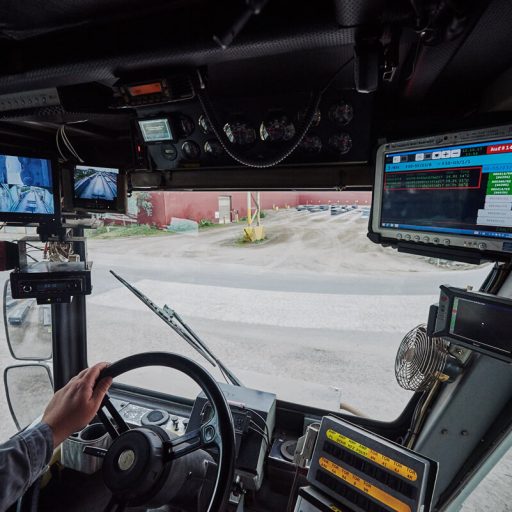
[260, 128]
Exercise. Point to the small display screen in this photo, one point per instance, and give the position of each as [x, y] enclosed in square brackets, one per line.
[43, 287]
[461, 189]
[156, 130]
[26, 185]
[485, 324]
[95, 183]
[139, 90]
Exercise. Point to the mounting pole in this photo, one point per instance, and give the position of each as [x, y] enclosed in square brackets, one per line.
[254, 233]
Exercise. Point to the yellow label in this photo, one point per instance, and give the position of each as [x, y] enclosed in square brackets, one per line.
[368, 453]
[363, 485]
[334, 508]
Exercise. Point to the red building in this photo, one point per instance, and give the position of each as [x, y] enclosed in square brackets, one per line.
[158, 208]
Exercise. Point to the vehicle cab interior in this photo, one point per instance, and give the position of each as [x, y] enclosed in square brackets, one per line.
[408, 100]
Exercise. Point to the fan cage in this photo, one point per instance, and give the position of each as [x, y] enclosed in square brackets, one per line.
[420, 360]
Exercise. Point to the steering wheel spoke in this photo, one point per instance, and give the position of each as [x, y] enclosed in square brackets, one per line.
[115, 425]
[205, 436]
[183, 445]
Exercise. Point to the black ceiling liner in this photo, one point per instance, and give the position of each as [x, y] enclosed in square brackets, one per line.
[28, 18]
[63, 42]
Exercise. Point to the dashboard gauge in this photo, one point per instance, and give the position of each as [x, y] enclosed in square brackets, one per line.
[185, 126]
[204, 124]
[213, 147]
[341, 113]
[191, 150]
[169, 151]
[311, 144]
[240, 133]
[277, 128]
[316, 118]
[207, 413]
[341, 143]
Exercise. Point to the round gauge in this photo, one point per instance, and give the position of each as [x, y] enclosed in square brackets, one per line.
[213, 147]
[316, 118]
[341, 143]
[311, 144]
[204, 124]
[191, 150]
[207, 413]
[185, 126]
[240, 133]
[341, 113]
[277, 128]
[169, 151]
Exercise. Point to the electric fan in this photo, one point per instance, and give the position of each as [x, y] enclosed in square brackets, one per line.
[422, 360]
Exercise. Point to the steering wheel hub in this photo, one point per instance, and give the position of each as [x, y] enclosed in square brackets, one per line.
[134, 465]
[126, 460]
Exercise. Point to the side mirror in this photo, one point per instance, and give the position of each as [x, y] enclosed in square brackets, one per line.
[28, 327]
[28, 387]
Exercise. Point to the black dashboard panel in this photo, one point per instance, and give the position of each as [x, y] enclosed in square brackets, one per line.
[260, 128]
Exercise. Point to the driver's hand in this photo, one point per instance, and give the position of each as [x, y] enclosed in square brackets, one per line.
[76, 404]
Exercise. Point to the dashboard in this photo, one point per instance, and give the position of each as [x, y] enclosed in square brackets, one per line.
[253, 412]
[181, 135]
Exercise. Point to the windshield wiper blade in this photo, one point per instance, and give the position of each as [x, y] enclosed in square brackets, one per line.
[176, 323]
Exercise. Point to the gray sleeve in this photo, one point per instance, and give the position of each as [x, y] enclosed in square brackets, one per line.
[22, 460]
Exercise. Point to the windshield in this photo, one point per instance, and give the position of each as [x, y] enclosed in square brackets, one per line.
[313, 311]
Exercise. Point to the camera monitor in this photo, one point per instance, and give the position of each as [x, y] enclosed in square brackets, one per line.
[29, 191]
[98, 188]
[452, 190]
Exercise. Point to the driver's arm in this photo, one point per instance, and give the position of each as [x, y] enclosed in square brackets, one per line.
[24, 456]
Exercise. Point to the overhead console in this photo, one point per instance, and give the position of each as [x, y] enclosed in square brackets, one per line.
[448, 195]
[173, 130]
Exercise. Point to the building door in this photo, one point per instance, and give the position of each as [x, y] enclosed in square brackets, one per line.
[224, 209]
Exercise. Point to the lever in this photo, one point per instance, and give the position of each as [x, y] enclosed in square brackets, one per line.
[95, 452]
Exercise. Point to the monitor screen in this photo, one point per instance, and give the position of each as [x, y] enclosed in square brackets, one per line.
[458, 194]
[481, 323]
[96, 188]
[156, 130]
[27, 188]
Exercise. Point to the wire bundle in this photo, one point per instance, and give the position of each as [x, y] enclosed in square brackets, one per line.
[61, 136]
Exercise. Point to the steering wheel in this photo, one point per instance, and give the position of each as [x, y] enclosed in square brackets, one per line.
[138, 465]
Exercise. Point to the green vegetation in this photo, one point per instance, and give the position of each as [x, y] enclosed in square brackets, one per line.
[125, 231]
[206, 223]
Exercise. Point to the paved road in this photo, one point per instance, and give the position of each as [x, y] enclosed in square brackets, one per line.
[235, 276]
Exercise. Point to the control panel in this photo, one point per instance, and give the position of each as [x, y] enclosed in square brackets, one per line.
[254, 416]
[157, 92]
[51, 282]
[364, 471]
[180, 135]
[137, 415]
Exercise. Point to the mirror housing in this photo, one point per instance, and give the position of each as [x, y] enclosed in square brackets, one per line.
[28, 327]
[28, 388]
